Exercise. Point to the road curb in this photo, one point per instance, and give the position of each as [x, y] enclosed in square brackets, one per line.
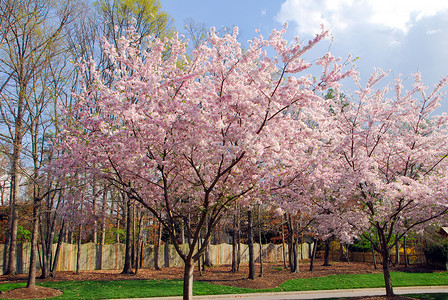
[316, 294]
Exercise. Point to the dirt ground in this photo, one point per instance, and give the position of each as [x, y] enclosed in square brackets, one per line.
[273, 276]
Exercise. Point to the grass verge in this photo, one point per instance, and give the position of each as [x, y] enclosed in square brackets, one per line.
[163, 288]
[353, 281]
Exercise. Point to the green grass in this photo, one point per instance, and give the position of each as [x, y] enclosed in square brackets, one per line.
[129, 289]
[349, 281]
[161, 288]
[435, 296]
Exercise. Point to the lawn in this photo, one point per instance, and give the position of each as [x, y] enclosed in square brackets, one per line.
[161, 288]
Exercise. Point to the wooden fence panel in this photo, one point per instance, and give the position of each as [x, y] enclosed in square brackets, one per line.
[113, 256]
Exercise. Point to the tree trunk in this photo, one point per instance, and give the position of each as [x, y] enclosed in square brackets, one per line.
[207, 259]
[386, 271]
[134, 215]
[290, 243]
[127, 268]
[397, 252]
[327, 253]
[406, 264]
[348, 254]
[374, 258]
[296, 256]
[250, 242]
[234, 247]
[157, 247]
[138, 243]
[292, 246]
[94, 223]
[188, 280]
[78, 253]
[6, 246]
[189, 228]
[31, 282]
[58, 250]
[313, 255]
[260, 243]
[47, 236]
[200, 265]
[238, 239]
[11, 265]
[103, 230]
[283, 242]
[15, 182]
[118, 226]
[182, 231]
[166, 253]
[343, 253]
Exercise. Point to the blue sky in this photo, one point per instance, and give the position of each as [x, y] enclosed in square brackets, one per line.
[404, 36]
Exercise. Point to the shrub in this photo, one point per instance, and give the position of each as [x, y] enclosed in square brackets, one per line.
[437, 254]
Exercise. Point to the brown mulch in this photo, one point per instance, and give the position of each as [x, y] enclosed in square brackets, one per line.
[273, 275]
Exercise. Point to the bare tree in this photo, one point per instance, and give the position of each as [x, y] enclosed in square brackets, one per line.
[32, 35]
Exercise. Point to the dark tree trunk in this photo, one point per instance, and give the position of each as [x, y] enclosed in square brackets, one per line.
[138, 244]
[6, 247]
[397, 252]
[251, 245]
[188, 280]
[296, 256]
[31, 282]
[157, 247]
[238, 239]
[327, 253]
[386, 271]
[207, 259]
[200, 265]
[103, 230]
[260, 243]
[374, 258]
[12, 242]
[133, 239]
[127, 268]
[58, 250]
[234, 246]
[13, 219]
[292, 246]
[282, 228]
[342, 253]
[313, 255]
[94, 222]
[78, 252]
[48, 245]
[290, 243]
[167, 253]
[406, 264]
[385, 253]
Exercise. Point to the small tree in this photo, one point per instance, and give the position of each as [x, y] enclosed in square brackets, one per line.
[198, 133]
[392, 165]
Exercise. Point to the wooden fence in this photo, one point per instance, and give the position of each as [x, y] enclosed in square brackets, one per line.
[413, 259]
[113, 256]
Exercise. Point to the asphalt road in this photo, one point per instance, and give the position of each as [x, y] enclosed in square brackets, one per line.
[318, 294]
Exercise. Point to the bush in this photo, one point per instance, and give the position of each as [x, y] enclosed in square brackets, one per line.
[360, 245]
[437, 255]
[23, 235]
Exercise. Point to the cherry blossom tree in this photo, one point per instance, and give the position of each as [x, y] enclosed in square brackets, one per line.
[391, 162]
[196, 133]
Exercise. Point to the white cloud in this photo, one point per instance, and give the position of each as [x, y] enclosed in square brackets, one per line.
[340, 14]
[404, 36]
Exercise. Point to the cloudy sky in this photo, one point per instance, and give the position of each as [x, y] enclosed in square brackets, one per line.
[404, 36]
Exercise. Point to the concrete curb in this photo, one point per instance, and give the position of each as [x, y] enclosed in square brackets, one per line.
[317, 294]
